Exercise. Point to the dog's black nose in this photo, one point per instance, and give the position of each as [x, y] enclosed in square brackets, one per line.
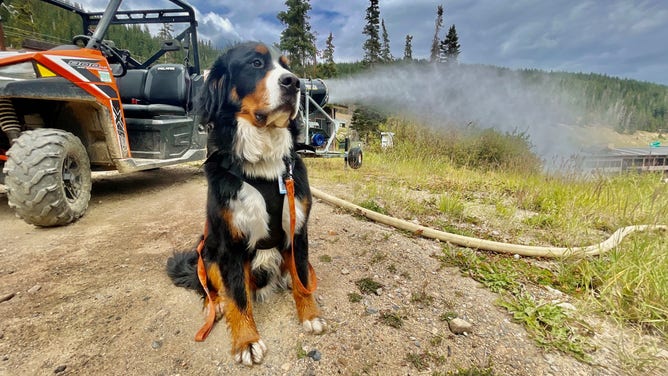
[289, 81]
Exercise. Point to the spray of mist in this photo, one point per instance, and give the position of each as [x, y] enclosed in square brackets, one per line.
[463, 95]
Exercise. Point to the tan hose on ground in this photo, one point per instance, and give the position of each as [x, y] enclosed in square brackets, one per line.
[488, 245]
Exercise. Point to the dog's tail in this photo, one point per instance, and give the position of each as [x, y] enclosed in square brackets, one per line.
[182, 269]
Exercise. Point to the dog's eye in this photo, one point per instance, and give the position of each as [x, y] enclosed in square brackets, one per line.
[257, 63]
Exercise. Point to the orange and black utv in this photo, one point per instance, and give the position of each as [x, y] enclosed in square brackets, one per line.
[91, 106]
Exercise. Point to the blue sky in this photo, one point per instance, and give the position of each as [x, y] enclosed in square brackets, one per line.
[614, 37]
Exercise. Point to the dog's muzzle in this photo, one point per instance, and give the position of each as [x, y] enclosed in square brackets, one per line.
[290, 86]
[287, 110]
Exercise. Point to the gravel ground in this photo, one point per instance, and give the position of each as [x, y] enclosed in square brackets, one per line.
[93, 298]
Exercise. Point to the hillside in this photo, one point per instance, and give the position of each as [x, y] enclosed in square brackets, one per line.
[621, 104]
[624, 105]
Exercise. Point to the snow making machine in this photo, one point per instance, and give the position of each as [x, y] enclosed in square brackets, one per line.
[321, 130]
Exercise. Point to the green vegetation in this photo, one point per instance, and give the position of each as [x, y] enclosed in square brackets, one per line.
[626, 105]
[421, 297]
[418, 361]
[549, 325]
[325, 258]
[301, 353]
[368, 285]
[297, 40]
[354, 297]
[392, 319]
[622, 104]
[425, 179]
[473, 371]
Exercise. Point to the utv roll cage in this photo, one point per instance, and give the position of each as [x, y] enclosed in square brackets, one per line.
[99, 21]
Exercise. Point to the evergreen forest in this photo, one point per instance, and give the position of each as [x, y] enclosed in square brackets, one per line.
[623, 104]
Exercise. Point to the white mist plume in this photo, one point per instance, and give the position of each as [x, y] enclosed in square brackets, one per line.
[459, 95]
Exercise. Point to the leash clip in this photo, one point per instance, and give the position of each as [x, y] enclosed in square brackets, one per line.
[289, 167]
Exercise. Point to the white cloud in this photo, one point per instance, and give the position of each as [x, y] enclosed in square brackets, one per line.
[213, 26]
[615, 37]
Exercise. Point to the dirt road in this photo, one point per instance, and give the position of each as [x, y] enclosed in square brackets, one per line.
[92, 298]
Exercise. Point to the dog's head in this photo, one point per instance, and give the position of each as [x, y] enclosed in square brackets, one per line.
[251, 81]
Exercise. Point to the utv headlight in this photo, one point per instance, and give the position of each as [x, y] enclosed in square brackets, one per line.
[20, 71]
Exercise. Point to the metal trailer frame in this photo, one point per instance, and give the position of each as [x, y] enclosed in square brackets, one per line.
[352, 155]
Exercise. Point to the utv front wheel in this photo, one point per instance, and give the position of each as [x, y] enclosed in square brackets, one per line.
[48, 177]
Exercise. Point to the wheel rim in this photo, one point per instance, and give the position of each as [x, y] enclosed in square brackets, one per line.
[72, 182]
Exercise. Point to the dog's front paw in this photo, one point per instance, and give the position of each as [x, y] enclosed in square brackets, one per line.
[252, 353]
[315, 326]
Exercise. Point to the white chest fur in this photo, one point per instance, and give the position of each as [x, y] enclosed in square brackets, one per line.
[262, 149]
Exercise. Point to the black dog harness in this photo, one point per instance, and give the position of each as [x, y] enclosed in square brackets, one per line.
[289, 184]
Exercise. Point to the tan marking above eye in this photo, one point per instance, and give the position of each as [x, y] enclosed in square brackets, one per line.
[261, 48]
[284, 60]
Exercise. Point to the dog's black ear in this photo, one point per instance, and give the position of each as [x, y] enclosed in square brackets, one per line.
[214, 96]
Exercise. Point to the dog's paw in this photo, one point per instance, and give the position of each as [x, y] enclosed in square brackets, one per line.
[315, 326]
[252, 353]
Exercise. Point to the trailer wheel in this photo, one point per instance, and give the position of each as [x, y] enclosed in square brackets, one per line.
[48, 177]
[355, 158]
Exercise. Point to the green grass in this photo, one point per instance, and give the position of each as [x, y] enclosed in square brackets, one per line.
[452, 206]
[301, 353]
[459, 185]
[354, 297]
[549, 325]
[630, 283]
[368, 285]
[373, 206]
[418, 361]
[391, 319]
[472, 371]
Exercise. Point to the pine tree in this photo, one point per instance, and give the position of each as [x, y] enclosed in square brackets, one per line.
[450, 46]
[297, 40]
[166, 31]
[367, 121]
[328, 68]
[385, 54]
[328, 52]
[372, 44]
[408, 48]
[435, 43]
[21, 17]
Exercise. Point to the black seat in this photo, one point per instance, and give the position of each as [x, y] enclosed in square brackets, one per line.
[131, 86]
[163, 90]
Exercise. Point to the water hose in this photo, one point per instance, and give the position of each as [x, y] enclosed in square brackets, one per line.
[488, 245]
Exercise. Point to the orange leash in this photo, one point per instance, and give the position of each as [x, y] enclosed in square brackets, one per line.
[296, 282]
[201, 274]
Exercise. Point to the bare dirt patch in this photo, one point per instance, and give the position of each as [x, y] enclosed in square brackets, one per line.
[93, 298]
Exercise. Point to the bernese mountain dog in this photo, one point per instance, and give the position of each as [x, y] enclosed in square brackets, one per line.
[250, 103]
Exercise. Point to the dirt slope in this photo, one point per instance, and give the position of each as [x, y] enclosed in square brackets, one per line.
[93, 298]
